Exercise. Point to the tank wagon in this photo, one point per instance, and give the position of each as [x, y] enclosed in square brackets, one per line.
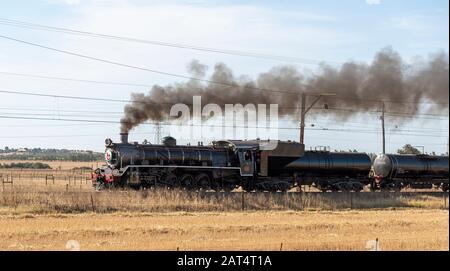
[415, 171]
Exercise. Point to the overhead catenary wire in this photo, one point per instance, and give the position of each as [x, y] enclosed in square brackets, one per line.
[114, 114]
[373, 128]
[28, 25]
[403, 115]
[39, 76]
[288, 92]
[204, 125]
[115, 117]
[74, 79]
[121, 112]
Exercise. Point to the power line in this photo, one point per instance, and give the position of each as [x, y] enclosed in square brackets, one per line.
[121, 112]
[388, 114]
[411, 129]
[66, 96]
[33, 26]
[53, 125]
[147, 85]
[211, 125]
[313, 137]
[385, 101]
[161, 72]
[87, 112]
[146, 69]
[59, 110]
[403, 115]
[157, 123]
[74, 79]
[54, 115]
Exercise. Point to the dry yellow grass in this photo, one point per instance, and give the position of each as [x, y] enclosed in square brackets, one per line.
[36, 216]
[342, 230]
[76, 199]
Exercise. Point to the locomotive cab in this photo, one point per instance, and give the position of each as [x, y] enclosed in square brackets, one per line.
[246, 161]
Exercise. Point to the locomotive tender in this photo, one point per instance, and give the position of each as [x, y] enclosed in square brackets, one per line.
[261, 165]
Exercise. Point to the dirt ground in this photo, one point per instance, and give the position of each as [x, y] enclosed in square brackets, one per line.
[406, 229]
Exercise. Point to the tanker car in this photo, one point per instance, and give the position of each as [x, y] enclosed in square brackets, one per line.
[415, 171]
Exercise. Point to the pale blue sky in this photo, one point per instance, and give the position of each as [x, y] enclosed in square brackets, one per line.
[333, 31]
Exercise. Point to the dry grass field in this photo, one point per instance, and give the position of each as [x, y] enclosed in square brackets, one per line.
[170, 220]
[263, 230]
[43, 214]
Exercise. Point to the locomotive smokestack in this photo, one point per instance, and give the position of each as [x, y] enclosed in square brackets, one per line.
[124, 138]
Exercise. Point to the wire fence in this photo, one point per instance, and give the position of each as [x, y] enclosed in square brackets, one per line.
[75, 199]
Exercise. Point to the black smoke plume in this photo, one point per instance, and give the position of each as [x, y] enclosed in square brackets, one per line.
[358, 87]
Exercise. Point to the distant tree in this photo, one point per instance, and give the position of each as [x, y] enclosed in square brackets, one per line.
[26, 165]
[408, 149]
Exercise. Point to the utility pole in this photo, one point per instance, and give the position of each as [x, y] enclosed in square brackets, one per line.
[302, 119]
[158, 133]
[382, 127]
[305, 110]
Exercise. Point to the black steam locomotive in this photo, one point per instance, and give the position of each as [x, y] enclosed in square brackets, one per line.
[254, 165]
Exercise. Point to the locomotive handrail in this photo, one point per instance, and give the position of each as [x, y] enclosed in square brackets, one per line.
[123, 170]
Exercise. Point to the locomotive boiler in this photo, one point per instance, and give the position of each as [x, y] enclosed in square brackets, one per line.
[415, 171]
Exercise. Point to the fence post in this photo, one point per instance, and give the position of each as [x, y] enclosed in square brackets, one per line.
[242, 201]
[286, 200]
[351, 200]
[301, 201]
[92, 204]
[281, 247]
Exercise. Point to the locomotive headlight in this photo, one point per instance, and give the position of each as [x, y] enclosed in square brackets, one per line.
[108, 142]
[109, 156]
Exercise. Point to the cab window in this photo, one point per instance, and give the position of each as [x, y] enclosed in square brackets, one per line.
[247, 155]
